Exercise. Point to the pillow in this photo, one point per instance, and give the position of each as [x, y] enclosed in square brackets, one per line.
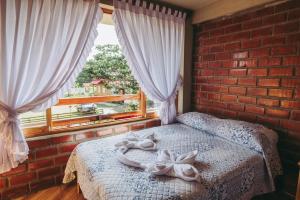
[246, 134]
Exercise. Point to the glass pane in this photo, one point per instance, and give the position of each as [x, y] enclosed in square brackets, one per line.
[33, 119]
[152, 106]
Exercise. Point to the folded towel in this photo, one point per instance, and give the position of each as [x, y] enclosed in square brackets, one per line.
[170, 165]
[134, 141]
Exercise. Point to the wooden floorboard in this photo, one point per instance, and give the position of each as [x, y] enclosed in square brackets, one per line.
[69, 192]
[63, 192]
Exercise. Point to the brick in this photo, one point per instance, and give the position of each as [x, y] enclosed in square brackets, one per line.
[247, 117]
[230, 114]
[40, 164]
[22, 179]
[109, 131]
[49, 172]
[223, 56]
[228, 98]
[224, 39]
[257, 91]
[297, 93]
[229, 81]
[38, 143]
[286, 50]
[269, 61]
[208, 41]
[215, 88]
[221, 72]
[288, 82]
[290, 104]
[85, 135]
[248, 100]
[241, 36]
[268, 82]
[280, 93]
[287, 6]
[153, 123]
[252, 24]
[46, 152]
[286, 28]
[274, 19]
[61, 160]
[236, 107]
[268, 121]
[230, 63]
[224, 22]
[233, 28]
[2, 184]
[121, 129]
[277, 113]
[213, 96]
[290, 125]
[291, 60]
[238, 72]
[247, 81]
[248, 63]
[248, 44]
[262, 32]
[242, 18]
[257, 72]
[295, 115]
[18, 170]
[293, 38]
[294, 14]
[42, 184]
[15, 192]
[67, 148]
[268, 102]
[217, 48]
[216, 32]
[273, 40]
[254, 109]
[203, 50]
[209, 26]
[287, 71]
[263, 12]
[259, 52]
[214, 80]
[207, 72]
[237, 90]
[233, 46]
[215, 64]
[62, 139]
[208, 57]
[240, 55]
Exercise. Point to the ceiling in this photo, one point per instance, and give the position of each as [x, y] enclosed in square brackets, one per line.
[190, 4]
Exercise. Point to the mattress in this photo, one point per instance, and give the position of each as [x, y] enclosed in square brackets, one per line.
[228, 170]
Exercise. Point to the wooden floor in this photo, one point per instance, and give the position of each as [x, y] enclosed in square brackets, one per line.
[63, 192]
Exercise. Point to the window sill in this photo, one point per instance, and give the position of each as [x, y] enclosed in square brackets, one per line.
[43, 132]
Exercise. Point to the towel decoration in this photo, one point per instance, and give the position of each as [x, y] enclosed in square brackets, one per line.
[134, 141]
[166, 163]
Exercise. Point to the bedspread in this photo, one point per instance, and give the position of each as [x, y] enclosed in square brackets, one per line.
[227, 170]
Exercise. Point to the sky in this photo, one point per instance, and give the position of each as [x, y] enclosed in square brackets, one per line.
[106, 35]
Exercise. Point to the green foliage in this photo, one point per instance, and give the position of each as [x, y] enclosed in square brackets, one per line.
[109, 64]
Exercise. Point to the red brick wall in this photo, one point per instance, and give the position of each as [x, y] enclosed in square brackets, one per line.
[48, 157]
[247, 67]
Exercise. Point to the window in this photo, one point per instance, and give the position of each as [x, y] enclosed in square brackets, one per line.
[104, 93]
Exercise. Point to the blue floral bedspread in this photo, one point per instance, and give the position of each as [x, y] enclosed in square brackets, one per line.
[228, 169]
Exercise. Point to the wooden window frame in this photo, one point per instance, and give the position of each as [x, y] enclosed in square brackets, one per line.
[49, 128]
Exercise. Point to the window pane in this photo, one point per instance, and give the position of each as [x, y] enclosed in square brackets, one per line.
[33, 119]
[152, 106]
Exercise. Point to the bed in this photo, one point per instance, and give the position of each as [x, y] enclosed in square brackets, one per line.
[236, 160]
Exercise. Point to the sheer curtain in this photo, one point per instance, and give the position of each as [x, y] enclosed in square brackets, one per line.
[44, 45]
[152, 42]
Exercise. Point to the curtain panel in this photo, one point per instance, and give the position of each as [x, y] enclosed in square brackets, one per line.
[152, 40]
[44, 45]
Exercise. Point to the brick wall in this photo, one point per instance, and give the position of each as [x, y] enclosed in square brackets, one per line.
[247, 67]
[48, 158]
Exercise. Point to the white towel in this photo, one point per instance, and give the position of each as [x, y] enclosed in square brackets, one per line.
[135, 141]
[170, 165]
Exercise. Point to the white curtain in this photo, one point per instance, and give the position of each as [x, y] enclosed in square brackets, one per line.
[44, 45]
[152, 42]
